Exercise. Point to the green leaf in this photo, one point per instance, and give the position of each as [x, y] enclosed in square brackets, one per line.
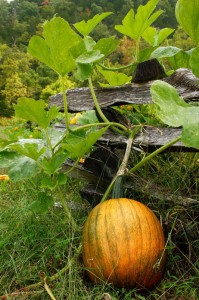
[53, 164]
[88, 117]
[35, 111]
[155, 37]
[90, 57]
[78, 49]
[163, 34]
[135, 25]
[53, 48]
[78, 146]
[31, 150]
[145, 54]
[128, 22]
[114, 78]
[180, 60]
[171, 106]
[42, 204]
[48, 182]
[5, 142]
[187, 15]
[83, 71]
[106, 45]
[174, 111]
[85, 27]
[51, 182]
[22, 168]
[194, 61]
[7, 158]
[55, 135]
[62, 178]
[89, 43]
[19, 166]
[190, 134]
[162, 52]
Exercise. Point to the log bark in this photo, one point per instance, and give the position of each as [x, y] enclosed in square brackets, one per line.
[80, 99]
[148, 139]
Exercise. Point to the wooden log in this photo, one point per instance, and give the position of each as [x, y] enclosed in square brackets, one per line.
[80, 99]
[135, 187]
[148, 139]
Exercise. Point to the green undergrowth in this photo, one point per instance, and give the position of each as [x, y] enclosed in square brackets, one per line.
[34, 246]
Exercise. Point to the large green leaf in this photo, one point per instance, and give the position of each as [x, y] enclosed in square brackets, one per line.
[174, 111]
[35, 111]
[42, 204]
[155, 37]
[194, 61]
[114, 78]
[84, 71]
[32, 150]
[5, 142]
[135, 25]
[85, 27]
[106, 45]
[53, 48]
[180, 60]
[162, 52]
[52, 164]
[88, 117]
[90, 57]
[187, 14]
[7, 158]
[89, 43]
[19, 166]
[78, 145]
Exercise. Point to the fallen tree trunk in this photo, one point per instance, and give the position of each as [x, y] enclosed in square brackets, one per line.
[80, 99]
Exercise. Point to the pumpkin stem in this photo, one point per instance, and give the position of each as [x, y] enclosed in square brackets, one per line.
[65, 102]
[123, 170]
[116, 182]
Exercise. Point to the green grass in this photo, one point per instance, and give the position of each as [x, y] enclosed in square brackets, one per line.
[34, 246]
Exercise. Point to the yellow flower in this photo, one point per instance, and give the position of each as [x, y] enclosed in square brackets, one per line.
[4, 177]
[73, 120]
[129, 107]
[82, 160]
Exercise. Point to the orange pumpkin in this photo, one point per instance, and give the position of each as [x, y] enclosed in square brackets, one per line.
[123, 244]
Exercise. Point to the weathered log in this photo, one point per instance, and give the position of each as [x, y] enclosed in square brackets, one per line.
[80, 99]
[135, 187]
[148, 139]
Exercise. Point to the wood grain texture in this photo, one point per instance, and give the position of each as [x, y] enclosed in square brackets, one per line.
[80, 99]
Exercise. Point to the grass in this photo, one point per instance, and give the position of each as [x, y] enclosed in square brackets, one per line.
[33, 246]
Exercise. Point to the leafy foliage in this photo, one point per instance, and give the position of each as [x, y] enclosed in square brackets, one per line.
[32, 110]
[54, 48]
[134, 25]
[187, 14]
[114, 78]
[174, 111]
[155, 37]
[85, 28]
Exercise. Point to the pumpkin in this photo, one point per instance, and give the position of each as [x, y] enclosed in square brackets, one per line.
[123, 244]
